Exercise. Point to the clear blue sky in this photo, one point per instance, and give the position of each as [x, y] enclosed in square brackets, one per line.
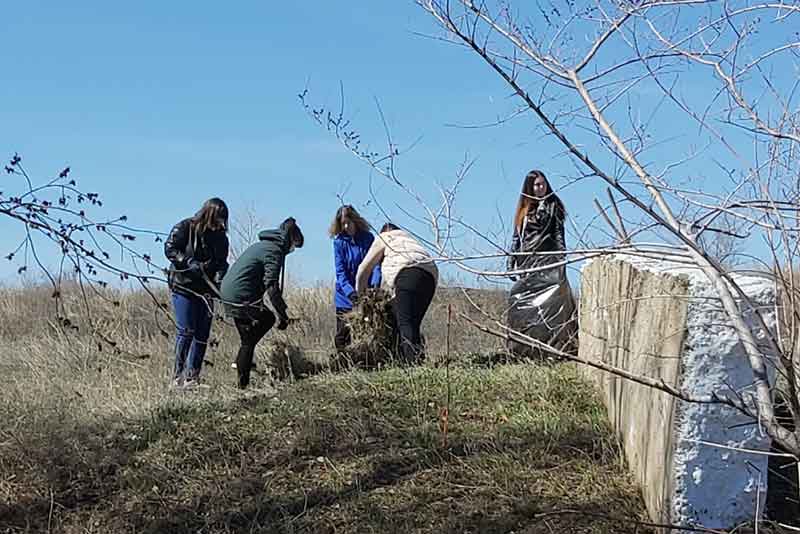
[160, 105]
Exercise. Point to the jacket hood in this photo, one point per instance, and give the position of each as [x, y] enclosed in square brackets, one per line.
[282, 236]
[278, 236]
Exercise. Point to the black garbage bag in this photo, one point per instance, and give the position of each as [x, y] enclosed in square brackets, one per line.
[541, 306]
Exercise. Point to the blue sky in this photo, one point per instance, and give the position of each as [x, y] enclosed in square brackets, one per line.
[160, 105]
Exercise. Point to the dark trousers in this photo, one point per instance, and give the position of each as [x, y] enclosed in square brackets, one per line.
[414, 289]
[342, 337]
[251, 327]
[193, 316]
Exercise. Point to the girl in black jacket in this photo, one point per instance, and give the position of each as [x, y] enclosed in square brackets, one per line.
[540, 305]
[197, 249]
[538, 225]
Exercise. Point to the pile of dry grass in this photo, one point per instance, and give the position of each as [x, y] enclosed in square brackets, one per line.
[372, 331]
[289, 361]
[372, 343]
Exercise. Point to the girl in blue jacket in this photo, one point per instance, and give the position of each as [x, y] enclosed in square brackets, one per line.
[351, 241]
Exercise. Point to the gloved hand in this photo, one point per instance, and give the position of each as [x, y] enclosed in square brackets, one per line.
[194, 269]
[217, 280]
[283, 323]
[354, 298]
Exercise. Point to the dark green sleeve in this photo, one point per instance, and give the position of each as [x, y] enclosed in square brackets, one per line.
[272, 273]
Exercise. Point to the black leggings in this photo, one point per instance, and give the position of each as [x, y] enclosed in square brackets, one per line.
[414, 289]
[251, 329]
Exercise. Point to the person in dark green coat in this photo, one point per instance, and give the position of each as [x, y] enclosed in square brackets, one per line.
[252, 290]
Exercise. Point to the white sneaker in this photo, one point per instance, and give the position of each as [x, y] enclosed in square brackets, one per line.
[194, 383]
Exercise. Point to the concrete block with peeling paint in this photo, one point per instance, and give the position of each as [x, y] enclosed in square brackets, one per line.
[697, 464]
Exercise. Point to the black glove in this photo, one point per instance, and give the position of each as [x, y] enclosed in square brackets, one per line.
[195, 268]
[218, 280]
[354, 297]
[283, 323]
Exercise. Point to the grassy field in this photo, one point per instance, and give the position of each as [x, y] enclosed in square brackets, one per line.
[94, 441]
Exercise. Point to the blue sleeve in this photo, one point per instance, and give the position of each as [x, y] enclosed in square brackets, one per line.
[375, 277]
[341, 270]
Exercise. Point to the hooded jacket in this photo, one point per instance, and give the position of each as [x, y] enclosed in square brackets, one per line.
[348, 253]
[257, 273]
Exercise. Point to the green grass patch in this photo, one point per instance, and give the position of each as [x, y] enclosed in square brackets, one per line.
[526, 449]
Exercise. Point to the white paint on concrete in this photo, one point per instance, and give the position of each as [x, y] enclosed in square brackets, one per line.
[716, 487]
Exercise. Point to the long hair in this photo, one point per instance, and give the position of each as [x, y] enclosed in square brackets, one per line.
[528, 202]
[212, 216]
[293, 232]
[350, 212]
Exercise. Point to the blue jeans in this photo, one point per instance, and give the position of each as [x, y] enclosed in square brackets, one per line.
[193, 316]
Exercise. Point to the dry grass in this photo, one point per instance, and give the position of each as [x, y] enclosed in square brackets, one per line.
[288, 361]
[372, 333]
[96, 442]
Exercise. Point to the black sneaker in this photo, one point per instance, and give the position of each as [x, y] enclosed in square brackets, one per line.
[244, 380]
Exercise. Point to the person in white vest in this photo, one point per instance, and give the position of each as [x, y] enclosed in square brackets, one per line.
[410, 275]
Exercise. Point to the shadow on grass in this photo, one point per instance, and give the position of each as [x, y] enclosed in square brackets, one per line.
[57, 467]
[402, 490]
[260, 465]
